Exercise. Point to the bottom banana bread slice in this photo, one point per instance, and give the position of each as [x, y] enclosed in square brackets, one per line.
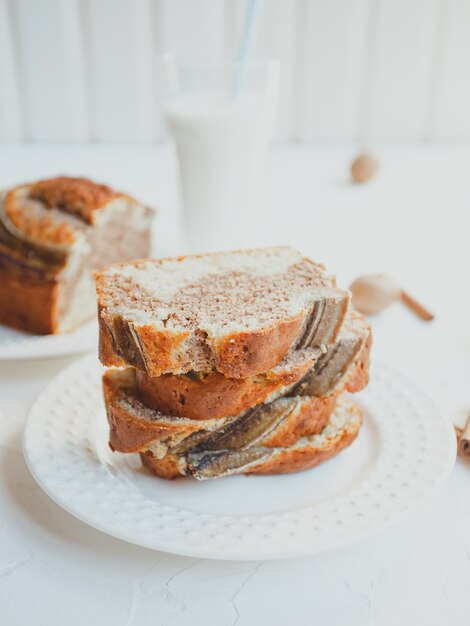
[339, 432]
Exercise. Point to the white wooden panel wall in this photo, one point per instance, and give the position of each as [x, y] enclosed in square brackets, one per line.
[49, 61]
[81, 70]
[119, 57]
[402, 68]
[451, 119]
[10, 114]
[330, 65]
[278, 38]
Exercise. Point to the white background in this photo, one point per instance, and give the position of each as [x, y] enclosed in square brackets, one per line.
[353, 70]
[82, 70]
[410, 221]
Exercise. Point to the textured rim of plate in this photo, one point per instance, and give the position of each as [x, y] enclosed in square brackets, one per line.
[24, 346]
[416, 456]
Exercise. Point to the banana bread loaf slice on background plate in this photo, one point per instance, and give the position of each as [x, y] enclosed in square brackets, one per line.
[238, 312]
[53, 234]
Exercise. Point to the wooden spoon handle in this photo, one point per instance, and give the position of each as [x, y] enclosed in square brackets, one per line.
[417, 308]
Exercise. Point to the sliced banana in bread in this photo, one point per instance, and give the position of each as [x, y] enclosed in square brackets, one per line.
[345, 365]
[239, 312]
[307, 452]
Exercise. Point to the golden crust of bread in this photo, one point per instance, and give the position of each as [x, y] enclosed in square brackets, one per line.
[246, 354]
[44, 229]
[165, 468]
[358, 377]
[285, 460]
[213, 395]
[297, 460]
[106, 351]
[310, 419]
[129, 433]
[238, 356]
[29, 301]
[79, 197]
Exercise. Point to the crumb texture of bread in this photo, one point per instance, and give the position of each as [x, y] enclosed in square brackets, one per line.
[53, 234]
[238, 312]
[238, 291]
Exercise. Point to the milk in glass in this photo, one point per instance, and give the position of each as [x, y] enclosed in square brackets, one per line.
[221, 143]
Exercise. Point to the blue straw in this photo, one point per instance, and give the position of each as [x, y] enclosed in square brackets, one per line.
[246, 44]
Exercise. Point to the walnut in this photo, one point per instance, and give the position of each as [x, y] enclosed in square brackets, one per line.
[364, 167]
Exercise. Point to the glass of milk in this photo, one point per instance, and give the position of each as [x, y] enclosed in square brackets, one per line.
[221, 118]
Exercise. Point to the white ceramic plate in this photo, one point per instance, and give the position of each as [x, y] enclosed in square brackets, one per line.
[16, 345]
[405, 450]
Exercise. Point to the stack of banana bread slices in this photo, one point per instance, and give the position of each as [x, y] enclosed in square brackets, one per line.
[230, 363]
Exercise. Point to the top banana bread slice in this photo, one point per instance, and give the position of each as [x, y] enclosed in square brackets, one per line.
[236, 312]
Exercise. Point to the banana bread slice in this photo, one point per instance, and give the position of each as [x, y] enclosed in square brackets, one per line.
[209, 395]
[238, 312]
[53, 233]
[305, 453]
[134, 427]
[312, 371]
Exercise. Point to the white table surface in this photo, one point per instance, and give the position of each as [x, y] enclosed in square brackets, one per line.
[412, 222]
